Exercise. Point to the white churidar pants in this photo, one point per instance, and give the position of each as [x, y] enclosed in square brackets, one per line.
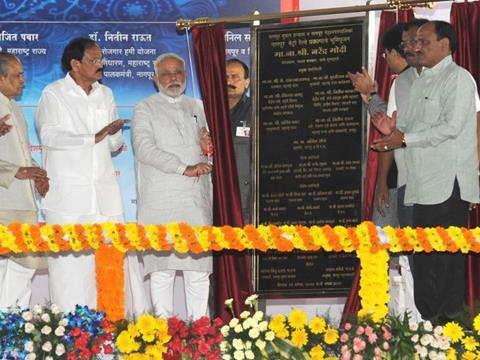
[197, 285]
[15, 278]
[72, 277]
[16, 284]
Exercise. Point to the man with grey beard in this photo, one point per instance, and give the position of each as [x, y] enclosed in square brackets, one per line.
[170, 142]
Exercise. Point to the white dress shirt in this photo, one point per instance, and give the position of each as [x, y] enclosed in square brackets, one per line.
[82, 176]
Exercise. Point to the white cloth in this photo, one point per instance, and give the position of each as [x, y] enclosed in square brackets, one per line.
[440, 128]
[166, 138]
[72, 277]
[196, 293]
[15, 152]
[83, 185]
[82, 176]
[16, 284]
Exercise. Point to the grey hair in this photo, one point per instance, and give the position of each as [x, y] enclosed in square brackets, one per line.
[164, 56]
[5, 59]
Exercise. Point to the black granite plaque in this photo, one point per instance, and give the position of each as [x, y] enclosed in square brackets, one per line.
[308, 147]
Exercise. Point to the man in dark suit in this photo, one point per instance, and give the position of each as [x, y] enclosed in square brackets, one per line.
[240, 121]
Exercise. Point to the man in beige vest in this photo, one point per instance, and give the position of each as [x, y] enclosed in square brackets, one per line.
[20, 178]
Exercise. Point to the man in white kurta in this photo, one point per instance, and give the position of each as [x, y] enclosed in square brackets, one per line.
[20, 179]
[173, 182]
[76, 122]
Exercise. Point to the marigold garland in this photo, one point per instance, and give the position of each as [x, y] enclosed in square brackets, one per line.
[116, 239]
[110, 282]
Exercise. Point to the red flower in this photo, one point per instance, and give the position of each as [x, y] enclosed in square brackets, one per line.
[72, 356]
[107, 349]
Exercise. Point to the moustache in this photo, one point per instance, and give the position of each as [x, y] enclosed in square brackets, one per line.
[232, 87]
[174, 84]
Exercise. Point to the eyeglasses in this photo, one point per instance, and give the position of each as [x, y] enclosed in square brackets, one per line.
[406, 43]
[94, 61]
[168, 74]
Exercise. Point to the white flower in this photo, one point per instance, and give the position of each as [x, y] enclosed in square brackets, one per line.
[414, 338]
[413, 326]
[432, 355]
[253, 333]
[234, 322]
[251, 300]
[269, 335]
[245, 314]
[248, 344]
[263, 326]
[229, 302]
[249, 355]
[60, 331]
[63, 322]
[238, 344]
[31, 356]
[247, 323]
[28, 346]
[225, 330]
[426, 339]
[45, 317]
[37, 309]
[55, 309]
[434, 343]
[48, 358]
[422, 352]
[226, 357]
[238, 328]
[224, 346]
[29, 327]
[443, 343]
[438, 330]
[258, 316]
[47, 346]
[46, 330]
[27, 316]
[60, 349]
[427, 325]
[238, 355]
[260, 344]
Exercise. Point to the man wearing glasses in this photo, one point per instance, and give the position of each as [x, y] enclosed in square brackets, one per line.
[439, 132]
[78, 126]
[170, 142]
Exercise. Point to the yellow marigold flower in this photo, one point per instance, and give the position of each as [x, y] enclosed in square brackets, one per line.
[318, 325]
[148, 337]
[453, 331]
[476, 323]
[282, 333]
[161, 326]
[133, 330]
[297, 319]
[317, 353]
[277, 323]
[451, 354]
[331, 336]
[146, 323]
[470, 343]
[125, 342]
[468, 355]
[299, 338]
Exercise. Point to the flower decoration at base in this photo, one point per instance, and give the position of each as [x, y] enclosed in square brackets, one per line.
[145, 339]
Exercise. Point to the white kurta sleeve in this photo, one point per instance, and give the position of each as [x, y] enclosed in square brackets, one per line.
[115, 141]
[52, 133]
[146, 151]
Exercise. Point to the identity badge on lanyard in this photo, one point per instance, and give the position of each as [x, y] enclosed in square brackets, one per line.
[243, 131]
